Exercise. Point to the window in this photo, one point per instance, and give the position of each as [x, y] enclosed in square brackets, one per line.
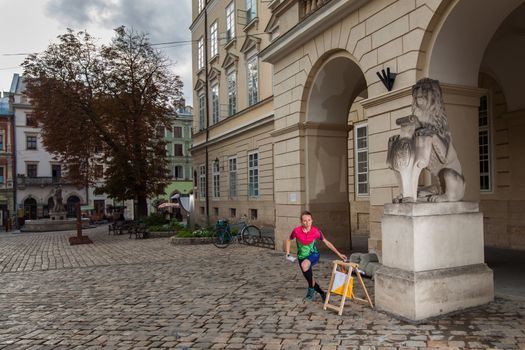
[202, 115]
[56, 171]
[160, 131]
[230, 22]
[213, 39]
[2, 175]
[232, 171]
[31, 170]
[215, 102]
[252, 81]
[177, 132]
[232, 93]
[99, 171]
[216, 179]
[178, 172]
[1, 141]
[31, 142]
[233, 212]
[215, 211]
[251, 10]
[200, 54]
[30, 120]
[253, 174]
[485, 183]
[361, 150]
[253, 214]
[201, 5]
[177, 150]
[202, 181]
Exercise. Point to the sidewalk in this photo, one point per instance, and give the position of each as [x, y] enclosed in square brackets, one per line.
[122, 293]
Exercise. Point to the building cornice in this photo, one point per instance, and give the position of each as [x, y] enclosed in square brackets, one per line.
[258, 123]
[303, 32]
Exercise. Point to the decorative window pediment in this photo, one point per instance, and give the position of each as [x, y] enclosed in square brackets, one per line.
[199, 85]
[229, 60]
[214, 74]
[250, 43]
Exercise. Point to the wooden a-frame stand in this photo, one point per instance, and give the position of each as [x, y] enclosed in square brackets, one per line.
[349, 268]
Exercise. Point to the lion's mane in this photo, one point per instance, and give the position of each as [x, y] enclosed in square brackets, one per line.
[433, 117]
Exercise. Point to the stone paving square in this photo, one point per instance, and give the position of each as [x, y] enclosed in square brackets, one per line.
[122, 293]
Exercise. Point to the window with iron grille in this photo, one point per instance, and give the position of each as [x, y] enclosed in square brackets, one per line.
[253, 174]
[485, 180]
[361, 155]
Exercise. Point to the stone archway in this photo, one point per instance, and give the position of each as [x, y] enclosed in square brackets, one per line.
[30, 207]
[71, 205]
[336, 81]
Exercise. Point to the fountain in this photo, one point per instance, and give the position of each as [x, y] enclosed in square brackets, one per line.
[58, 220]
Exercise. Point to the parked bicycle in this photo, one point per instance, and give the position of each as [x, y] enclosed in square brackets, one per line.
[246, 234]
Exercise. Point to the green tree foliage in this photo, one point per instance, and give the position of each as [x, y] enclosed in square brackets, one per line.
[105, 104]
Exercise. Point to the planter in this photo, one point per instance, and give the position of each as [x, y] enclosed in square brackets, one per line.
[191, 240]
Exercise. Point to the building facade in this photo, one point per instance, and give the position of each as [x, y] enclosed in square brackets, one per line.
[7, 169]
[331, 115]
[232, 144]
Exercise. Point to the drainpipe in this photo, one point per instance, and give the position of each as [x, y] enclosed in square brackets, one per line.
[14, 167]
[207, 112]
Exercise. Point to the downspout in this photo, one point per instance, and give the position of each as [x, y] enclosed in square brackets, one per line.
[207, 108]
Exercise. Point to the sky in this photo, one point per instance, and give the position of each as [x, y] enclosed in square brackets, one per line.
[28, 26]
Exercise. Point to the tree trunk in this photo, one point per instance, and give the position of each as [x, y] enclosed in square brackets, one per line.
[142, 207]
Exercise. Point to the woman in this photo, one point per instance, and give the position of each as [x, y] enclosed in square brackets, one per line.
[306, 237]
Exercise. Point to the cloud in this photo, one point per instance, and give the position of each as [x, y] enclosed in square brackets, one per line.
[163, 20]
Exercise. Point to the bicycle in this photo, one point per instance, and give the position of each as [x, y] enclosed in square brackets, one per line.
[247, 234]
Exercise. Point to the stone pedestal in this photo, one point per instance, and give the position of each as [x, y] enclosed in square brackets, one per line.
[57, 215]
[433, 260]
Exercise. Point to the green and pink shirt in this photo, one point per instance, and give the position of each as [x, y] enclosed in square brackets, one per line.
[306, 241]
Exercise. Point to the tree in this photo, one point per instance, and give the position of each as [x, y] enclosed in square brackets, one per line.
[106, 104]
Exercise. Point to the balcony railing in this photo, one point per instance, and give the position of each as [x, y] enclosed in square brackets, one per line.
[42, 181]
[310, 6]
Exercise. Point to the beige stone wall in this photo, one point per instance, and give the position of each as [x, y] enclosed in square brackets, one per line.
[378, 35]
[503, 205]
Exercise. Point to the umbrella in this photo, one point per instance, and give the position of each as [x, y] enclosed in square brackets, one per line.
[169, 205]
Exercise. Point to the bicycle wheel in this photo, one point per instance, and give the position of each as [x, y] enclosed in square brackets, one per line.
[251, 234]
[222, 238]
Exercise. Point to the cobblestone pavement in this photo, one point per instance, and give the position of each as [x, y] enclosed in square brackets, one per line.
[122, 293]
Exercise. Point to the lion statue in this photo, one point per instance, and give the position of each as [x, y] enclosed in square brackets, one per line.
[425, 142]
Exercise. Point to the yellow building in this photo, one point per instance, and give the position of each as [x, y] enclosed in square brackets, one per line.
[312, 117]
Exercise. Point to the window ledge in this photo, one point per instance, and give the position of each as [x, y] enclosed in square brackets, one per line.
[251, 24]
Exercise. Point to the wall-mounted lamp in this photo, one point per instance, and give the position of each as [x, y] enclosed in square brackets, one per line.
[387, 78]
